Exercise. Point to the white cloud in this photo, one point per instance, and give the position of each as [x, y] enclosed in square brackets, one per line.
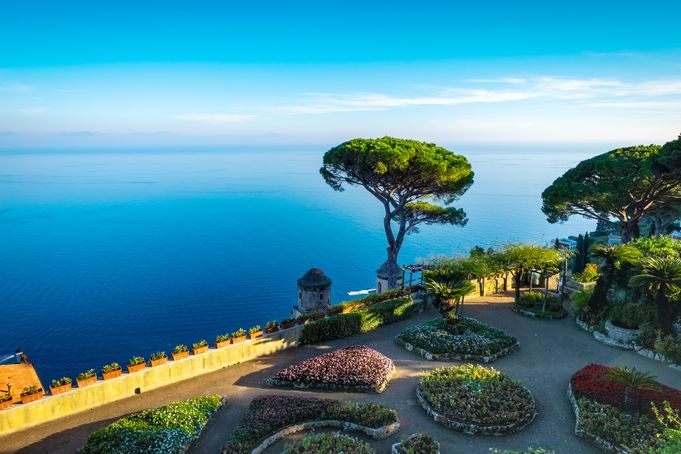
[16, 88]
[215, 118]
[34, 111]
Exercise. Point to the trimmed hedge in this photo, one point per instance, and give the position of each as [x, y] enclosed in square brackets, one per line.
[361, 321]
[168, 429]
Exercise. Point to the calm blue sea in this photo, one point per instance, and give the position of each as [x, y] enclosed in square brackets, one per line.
[108, 254]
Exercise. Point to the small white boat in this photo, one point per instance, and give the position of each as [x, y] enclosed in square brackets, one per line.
[362, 292]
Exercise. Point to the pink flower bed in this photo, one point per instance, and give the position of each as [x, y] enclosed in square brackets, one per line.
[357, 367]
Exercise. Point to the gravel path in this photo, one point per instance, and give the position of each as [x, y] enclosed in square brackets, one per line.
[550, 351]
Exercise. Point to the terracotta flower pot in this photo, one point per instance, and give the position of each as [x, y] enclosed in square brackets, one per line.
[256, 334]
[158, 362]
[136, 368]
[32, 397]
[60, 389]
[236, 340]
[198, 351]
[222, 344]
[112, 374]
[288, 324]
[88, 381]
[6, 404]
[181, 355]
[272, 329]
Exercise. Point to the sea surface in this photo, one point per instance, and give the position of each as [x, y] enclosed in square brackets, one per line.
[107, 254]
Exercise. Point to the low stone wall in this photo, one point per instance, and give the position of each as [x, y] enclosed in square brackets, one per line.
[455, 356]
[23, 416]
[377, 434]
[395, 449]
[546, 316]
[278, 382]
[591, 438]
[472, 428]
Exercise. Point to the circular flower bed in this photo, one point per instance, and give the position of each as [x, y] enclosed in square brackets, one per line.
[476, 399]
[531, 304]
[356, 368]
[326, 443]
[474, 340]
[419, 443]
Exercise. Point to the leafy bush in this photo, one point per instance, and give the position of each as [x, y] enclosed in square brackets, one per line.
[61, 382]
[534, 302]
[351, 366]
[670, 347]
[420, 443]
[476, 394]
[168, 429]
[590, 274]
[580, 299]
[472, 338]
[671, 420]
[361, 321]
[635, 433]
[269, 414]
[325, 443]
[629, 315]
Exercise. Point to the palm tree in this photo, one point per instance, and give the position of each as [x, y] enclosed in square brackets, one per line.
[612, 258]
[661, 275]
[633, 380]
[449, 294]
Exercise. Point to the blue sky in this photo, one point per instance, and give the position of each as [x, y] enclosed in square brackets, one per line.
[321, 72]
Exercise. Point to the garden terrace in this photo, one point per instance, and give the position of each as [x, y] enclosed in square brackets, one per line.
[476, 400]
[168, 429]
[434, 340]
[272, 417]
[355, 368]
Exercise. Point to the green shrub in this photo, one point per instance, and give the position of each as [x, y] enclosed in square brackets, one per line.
[580, 299]
[361, 321]
[590, 274]
[629, 315]
[670, 347]
[325, 443]
[647, 336]
[168, 429]
[419, 443]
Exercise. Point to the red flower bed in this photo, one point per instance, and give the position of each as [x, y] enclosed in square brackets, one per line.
[592, 382]
[351, 366]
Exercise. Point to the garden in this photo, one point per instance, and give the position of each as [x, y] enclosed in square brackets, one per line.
[476, 400]
[355, 368]
[168, 429]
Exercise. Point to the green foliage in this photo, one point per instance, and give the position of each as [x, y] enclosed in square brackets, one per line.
[541, 304]
[448, 294]
[112, 367]
[662, 246]
[580, 299]
[255, 329]
[520, 256]
[632, 378]
[158, 355]
[238, 333]
[180, 349]
[85, 375]
[525, 451]
[419, 443]
[589, 274]
[168, 429]
[325, 443]
[629, 315]
[61, 382]
[360, 321]
[662, 276]
[671, 421]
[136, 360]
[199, 344]
[622, 184]
[28, 390]
[669, 346]
[221, 338]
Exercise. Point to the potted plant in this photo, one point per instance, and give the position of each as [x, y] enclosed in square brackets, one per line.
[5, 400]
[221, 341]
[136, 364]
[112, 370]
[287, 323]
[31, 393]
[60, 386]
[158, 358]
[272, 327]
[200, 347]
[238, 336]
[255, 332]
[86, 378]
[180, 351]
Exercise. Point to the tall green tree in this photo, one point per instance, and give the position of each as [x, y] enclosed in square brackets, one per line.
[618, 188]
[662, 276]
[416, 182]
[519, 258]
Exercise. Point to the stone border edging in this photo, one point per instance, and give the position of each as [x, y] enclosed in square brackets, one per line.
[472, 428]
[588, 436]
[395, 448]
[377, 434]
[455, 357]
[278, 382]
[531, 314]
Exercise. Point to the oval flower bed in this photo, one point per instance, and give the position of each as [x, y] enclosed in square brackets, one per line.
[532, 303]
[325, 443]
[599, 405]
[419, 443]
[476, 400]
[356, 368]
[478, 341]
[168, 429]
[270, 418]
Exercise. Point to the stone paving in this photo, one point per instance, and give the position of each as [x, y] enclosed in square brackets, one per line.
[550, 351]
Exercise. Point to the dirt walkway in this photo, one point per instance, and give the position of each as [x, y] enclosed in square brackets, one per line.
[550, 351]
